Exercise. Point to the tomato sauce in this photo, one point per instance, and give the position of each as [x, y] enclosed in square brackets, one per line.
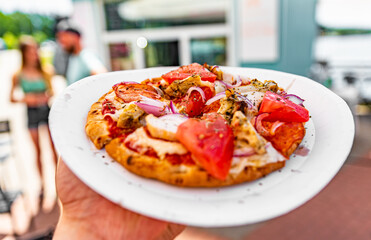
[214, 107]
[174, 159]
[114, 130]
[149, 151]
[108, 107]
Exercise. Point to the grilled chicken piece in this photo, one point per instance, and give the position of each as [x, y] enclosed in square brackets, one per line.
[164, 127]
[257, 86]
[226, 76]
[227, 107]
[230, 104]
[246, 135]
[216, 70]
[130, 117]
[179, 88]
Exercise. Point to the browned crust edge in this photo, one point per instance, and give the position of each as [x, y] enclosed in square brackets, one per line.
[96, 127]
[192, 176]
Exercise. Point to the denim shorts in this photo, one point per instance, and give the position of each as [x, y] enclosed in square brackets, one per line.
[37, 116]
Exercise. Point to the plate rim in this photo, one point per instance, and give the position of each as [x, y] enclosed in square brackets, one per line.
[61, 99]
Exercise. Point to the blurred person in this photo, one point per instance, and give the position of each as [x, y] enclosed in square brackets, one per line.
[35, 82]
[87, 215]
[81, 62]
[60, 61]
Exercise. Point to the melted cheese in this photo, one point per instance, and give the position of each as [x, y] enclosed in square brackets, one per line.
[219, 87]
[228, 77]
[163, 82]
[206, 84]
[271, 156]
[255, 97]
[164, 127]
[180, 168]
[115, 116]
[139, 139]
[113, 99]
[231, 78]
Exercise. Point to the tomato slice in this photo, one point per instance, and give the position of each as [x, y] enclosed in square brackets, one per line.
[189, 70]
[194, 105]
[286, 136]
[282, 109]
[211, 143]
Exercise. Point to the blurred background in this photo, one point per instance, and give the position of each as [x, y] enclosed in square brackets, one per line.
[328, 41]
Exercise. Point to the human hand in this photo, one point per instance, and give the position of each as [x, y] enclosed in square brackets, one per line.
[87, 215]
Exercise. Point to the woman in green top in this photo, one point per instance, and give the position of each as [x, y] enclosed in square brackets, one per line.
[36, 85]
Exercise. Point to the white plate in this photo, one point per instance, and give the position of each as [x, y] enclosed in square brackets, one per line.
[274, 195]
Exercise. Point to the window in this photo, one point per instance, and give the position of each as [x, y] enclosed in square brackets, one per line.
[210, 50]
[162, 54]
[121, 56]
[167, 32]
[161, 14]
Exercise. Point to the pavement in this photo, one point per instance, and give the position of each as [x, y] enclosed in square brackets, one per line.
[341, 211]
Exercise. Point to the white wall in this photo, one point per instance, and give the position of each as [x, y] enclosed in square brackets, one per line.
[86, 16]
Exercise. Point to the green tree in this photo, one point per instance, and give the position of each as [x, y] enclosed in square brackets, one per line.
[10, 40]
[13, 25]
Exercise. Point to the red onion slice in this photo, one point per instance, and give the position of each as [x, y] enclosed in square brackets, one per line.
[238, 82]
[213, 67]
[159, 91]
[253, 122]
[228, 85]
[259, 125]
[215, 98]
[151, 106]
[222, 95]
[245, 99]
[172, 107]
[273, 153]
[244, 152]
[174, 116]
[275, 126]
[295, 99]
[198, 89]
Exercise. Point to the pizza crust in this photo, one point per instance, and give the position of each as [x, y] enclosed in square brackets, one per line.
[161, 168]
[180, 175]
[96, 127]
